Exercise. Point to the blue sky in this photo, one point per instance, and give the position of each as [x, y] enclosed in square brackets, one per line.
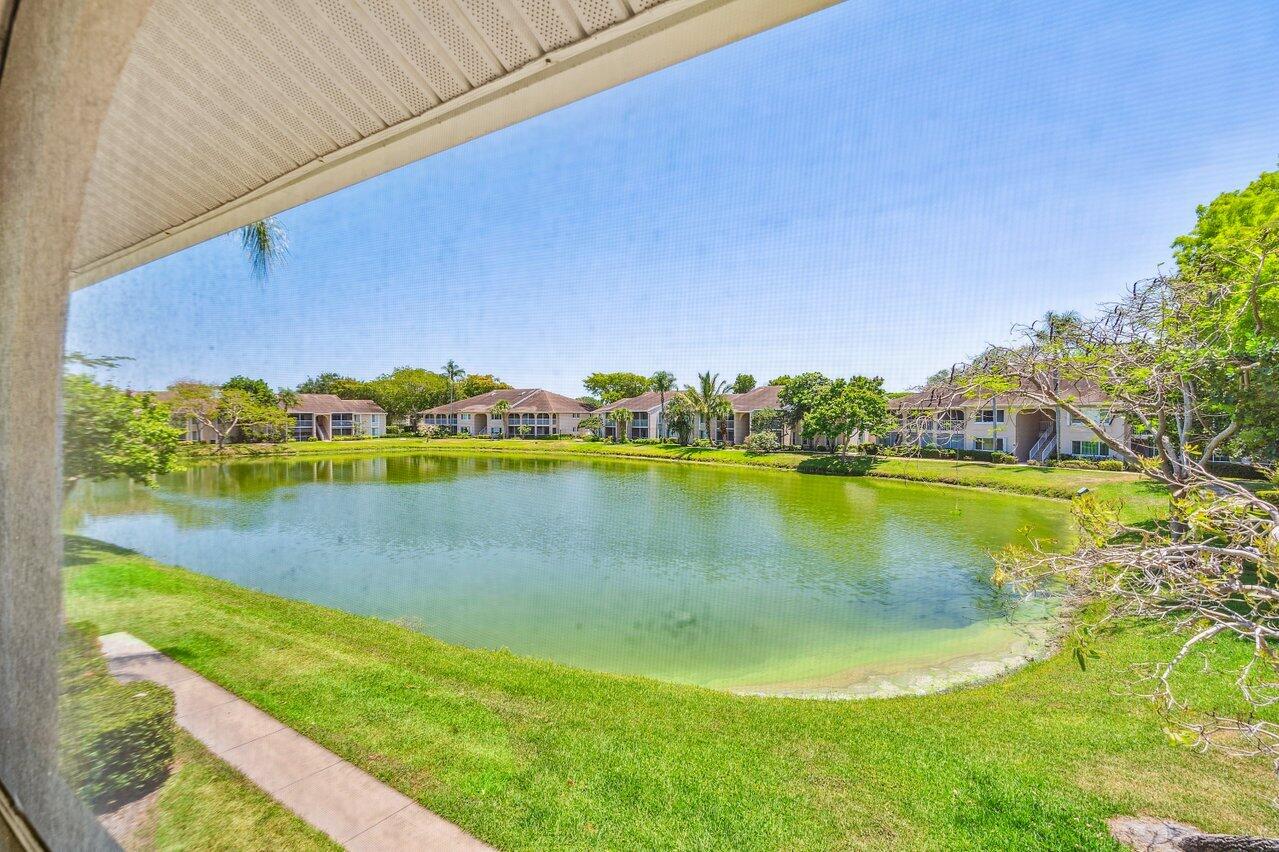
[868, 190]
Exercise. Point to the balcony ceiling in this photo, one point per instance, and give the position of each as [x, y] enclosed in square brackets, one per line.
[233, 110]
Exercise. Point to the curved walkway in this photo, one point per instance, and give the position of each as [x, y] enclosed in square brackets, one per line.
[337, 797]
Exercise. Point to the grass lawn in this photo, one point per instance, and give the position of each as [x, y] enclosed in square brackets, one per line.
[205, 804]
[534, 755]
[1142, 499]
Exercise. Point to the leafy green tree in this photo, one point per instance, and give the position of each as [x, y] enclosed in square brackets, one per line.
[743, 383]
[663, 381]
[589, 402]
[107, 432]
[709, 401]
[405, 391]
[610, 387]
[1188, 359]
[781, 381]
[452, 372]
[593, 424]
[681, 416]
[621, 418]
[256, 388]
[847, 408]
[223, 412]
[344, 387]
[768, 420]
[479, 383]
[799, 394]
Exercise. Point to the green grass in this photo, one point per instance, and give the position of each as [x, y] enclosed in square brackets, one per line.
[205, 804]
[533, 755]
[1142, 499]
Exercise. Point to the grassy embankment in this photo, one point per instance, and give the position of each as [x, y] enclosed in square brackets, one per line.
[1142, 499]
[532, 754]
[205, 804]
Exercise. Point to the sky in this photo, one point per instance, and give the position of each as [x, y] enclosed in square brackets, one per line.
[869, 190]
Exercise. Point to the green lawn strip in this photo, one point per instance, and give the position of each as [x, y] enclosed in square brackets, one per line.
[1142, 499]
[531, 754]
[205, 804]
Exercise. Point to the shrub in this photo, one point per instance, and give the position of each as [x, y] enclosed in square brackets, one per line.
[1078, 464]
[645, 441]
[115, 740]
[872, 449]
[1110, 464]
[1270, 495]
[937, 453]
[700, 442]
[394, 430]
[761, 442]
[1001, 457]
[1233, 470]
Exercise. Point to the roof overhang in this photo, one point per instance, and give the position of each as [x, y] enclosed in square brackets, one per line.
[143, 205]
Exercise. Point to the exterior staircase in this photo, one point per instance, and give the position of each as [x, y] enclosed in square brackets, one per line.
[1043, 447]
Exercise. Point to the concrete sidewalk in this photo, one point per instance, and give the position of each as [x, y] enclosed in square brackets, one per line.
[340, 799]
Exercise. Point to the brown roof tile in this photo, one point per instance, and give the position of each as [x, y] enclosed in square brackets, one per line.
[950, 396]
[520, 399]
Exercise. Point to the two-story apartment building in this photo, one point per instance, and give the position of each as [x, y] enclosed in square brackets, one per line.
[314, 417]
[530, 411]
[323, 416]
[646, 411]
[1016, 423]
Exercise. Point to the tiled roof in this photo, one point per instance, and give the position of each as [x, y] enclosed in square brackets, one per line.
[646, 401]
[766, 396]
[327, 403]
[950, 396]
[520, 400]
[312, 403]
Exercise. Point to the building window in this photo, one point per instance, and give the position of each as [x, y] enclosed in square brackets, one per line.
[1101, 414]
[993, 444]
[989, 415]
[303, 426]
[342, 424]
[1093, 449]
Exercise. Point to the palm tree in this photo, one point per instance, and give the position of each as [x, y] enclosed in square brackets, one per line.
[452, 372]
[621, 420]
[663, 382]
[265, 245]
[709, 401]
[498, 411]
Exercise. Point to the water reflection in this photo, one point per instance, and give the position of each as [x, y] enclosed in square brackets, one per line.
[710, 575]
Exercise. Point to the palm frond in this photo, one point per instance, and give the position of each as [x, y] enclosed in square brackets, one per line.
[265, 244]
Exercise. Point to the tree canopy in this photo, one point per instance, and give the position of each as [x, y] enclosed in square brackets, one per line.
[256, 388]
[338, 385]
[610, 387]
[107, 432]
[800, 393]
[846, 408]
[743, 383]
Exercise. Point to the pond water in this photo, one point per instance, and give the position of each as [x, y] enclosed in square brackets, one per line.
[752, 580]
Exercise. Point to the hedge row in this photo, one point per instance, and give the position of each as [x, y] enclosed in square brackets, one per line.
[115, 739]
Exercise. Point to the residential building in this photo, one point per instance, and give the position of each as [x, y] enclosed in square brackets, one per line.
[315, 416]
[646, 411]
[323, 417]
[1014, 422]
[532, 411]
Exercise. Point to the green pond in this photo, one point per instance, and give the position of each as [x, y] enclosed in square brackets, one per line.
[753, 580]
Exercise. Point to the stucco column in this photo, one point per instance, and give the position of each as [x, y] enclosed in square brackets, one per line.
[61, 66]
